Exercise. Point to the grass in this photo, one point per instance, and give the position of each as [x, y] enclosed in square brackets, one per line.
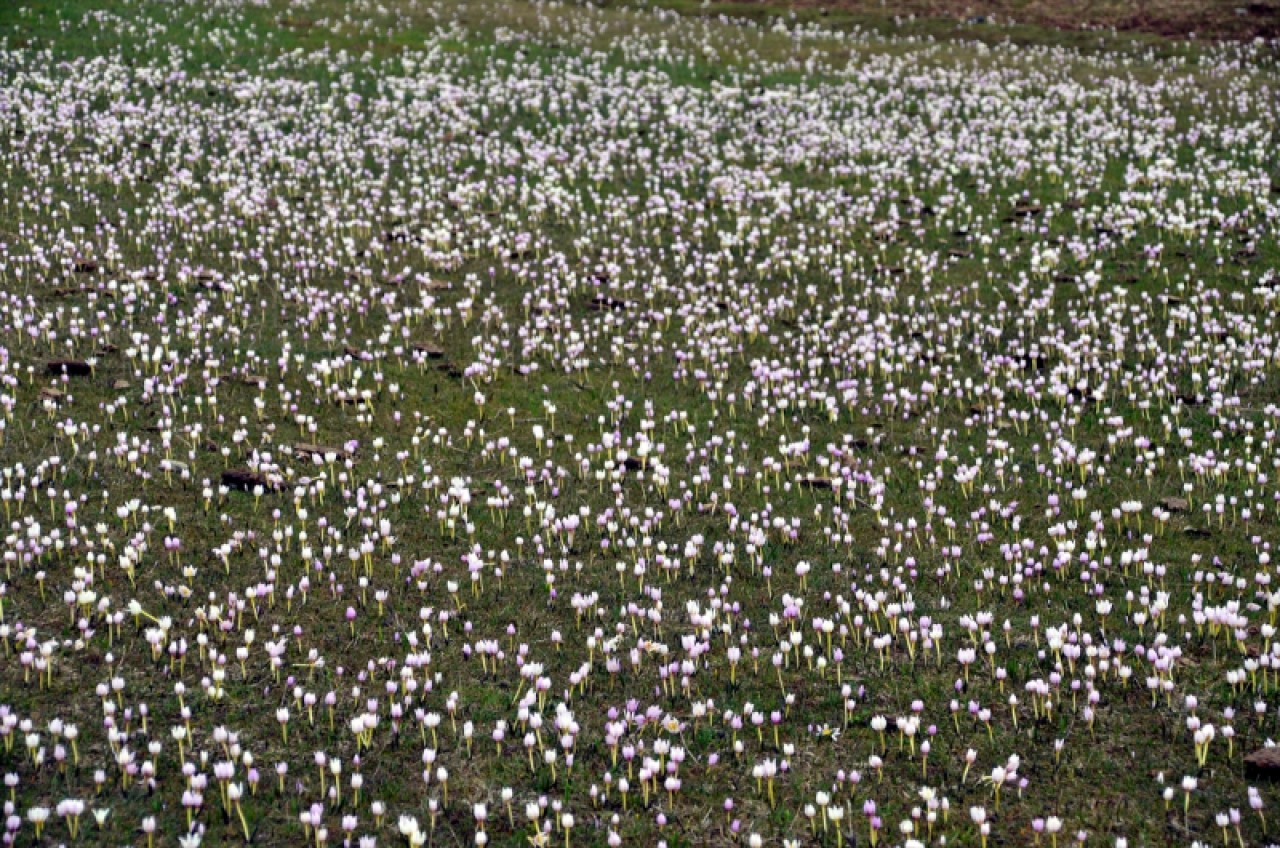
[264, 191]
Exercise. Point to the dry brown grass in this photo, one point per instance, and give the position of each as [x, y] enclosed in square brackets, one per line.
[1171, 18]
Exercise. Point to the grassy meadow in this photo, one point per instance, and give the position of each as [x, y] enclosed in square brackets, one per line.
[536, 423]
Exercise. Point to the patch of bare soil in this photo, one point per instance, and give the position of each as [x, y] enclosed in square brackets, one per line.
[1232, 19]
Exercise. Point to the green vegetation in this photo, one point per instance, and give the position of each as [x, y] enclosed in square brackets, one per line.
[690, 420]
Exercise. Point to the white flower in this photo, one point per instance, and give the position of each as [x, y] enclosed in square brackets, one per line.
[408, 826]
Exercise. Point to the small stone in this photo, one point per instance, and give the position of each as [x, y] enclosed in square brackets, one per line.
[1264, 762]
[70, 367]
[308, 449]
[244, 480]
[602, 303]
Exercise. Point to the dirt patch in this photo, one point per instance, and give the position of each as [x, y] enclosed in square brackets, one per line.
[1169, 18]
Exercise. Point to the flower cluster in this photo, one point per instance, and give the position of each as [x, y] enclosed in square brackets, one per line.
[589, 426]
